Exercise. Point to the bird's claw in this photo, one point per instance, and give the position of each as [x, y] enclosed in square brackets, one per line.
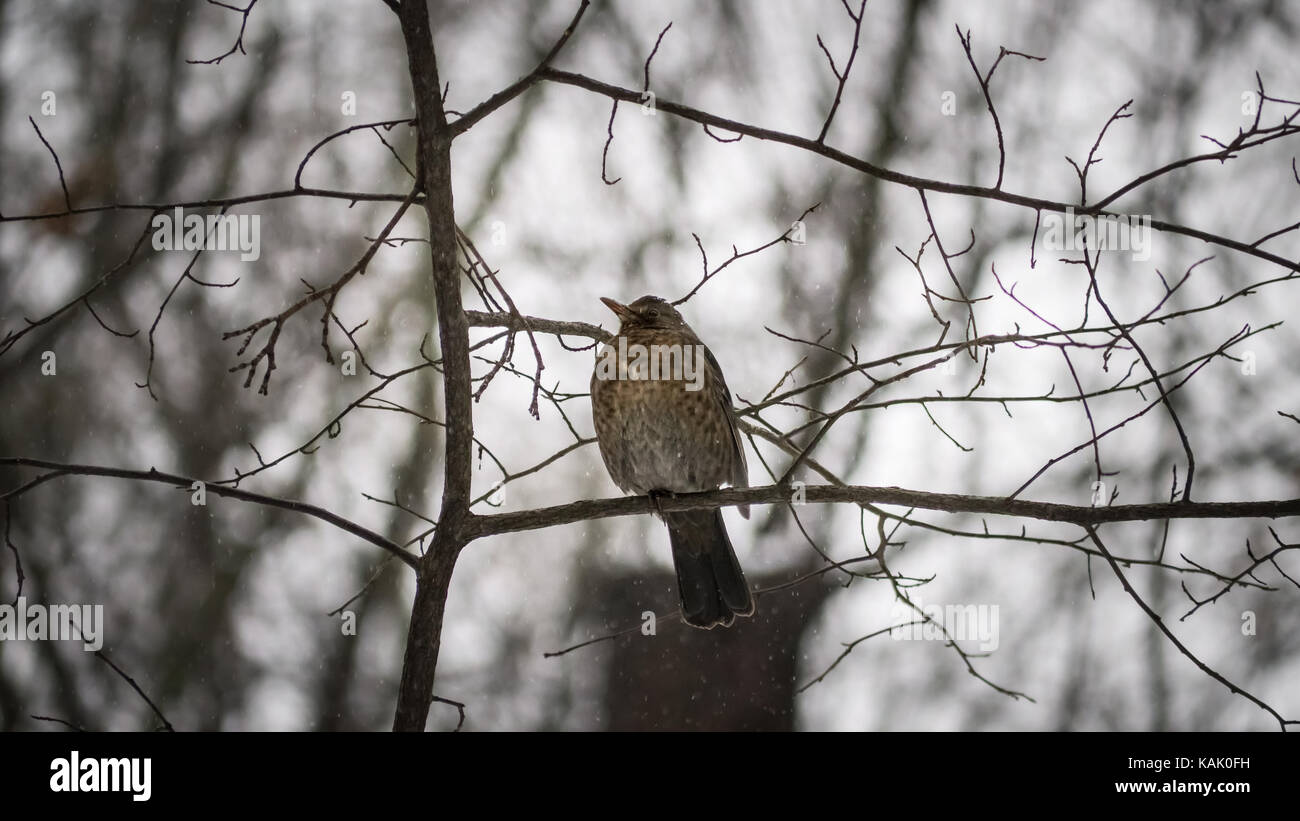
[656, 499]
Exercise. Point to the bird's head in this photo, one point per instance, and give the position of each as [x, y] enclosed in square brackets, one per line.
[646, 312]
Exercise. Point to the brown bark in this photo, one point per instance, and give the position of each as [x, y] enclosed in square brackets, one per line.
[433, 580]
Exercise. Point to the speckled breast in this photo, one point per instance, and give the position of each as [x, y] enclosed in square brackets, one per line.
[656, 433]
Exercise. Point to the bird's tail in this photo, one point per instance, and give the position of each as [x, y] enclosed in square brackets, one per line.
[709, 579]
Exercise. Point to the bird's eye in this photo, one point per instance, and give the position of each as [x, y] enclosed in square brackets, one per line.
[653, 313]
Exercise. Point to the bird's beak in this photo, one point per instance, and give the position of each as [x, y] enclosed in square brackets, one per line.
[620, 310]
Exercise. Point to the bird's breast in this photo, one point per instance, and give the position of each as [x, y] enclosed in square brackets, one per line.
[657, 417]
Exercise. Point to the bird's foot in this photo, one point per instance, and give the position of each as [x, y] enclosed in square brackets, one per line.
[656, 498]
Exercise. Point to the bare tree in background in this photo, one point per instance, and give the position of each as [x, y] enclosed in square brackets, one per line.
[1131, 344]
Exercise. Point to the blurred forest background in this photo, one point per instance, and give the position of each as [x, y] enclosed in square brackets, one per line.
[221, 613]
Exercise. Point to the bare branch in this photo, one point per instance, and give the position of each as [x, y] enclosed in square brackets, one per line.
[67, 199]
[984, 80]
[186, 483]
[1283, 723]
[239, 40]
[888, 175]
[842, 78]
[821, 494]
[491, 104]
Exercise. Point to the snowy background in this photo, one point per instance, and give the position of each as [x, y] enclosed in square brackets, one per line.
[220, 612]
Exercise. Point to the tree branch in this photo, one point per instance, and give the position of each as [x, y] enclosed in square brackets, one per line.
[433, 581]
[888, 175]
[860, 494]
[58, 469]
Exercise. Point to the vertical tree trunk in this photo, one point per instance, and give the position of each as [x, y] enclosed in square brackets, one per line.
[434, 170]
[423, 639]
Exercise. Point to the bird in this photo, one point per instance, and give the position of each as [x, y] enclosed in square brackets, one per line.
[665, 424]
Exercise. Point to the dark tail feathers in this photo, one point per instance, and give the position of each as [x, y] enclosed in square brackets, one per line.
[709, 579]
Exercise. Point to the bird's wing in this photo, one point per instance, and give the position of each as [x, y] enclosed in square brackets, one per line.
[739, 468]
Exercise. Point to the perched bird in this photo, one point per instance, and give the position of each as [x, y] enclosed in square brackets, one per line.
[665, 424]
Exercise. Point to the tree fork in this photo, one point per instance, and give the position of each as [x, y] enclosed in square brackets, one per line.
[424, 637]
